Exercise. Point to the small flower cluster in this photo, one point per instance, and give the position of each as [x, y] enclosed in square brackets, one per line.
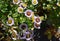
[29, 13]
[25, 33]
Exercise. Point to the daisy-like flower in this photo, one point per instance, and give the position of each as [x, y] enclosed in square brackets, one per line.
[58, 4]
[37, 26]
[16, 1]
[37, 19]
[28, 13]
[29, 35]
[34, 2]
[23, 5]
[23, 26]
[20, 9]
[10, 21]
[22, 35]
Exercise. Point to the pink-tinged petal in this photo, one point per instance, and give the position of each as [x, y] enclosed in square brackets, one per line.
[28, 13]
[37, 26]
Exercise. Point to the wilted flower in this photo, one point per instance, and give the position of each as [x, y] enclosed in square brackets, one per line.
[16, 1]
[34, 2]
[28, 13]
[37, 19]
[37, 26]
[23, 26]
[23, 5]
[10, 21]
[20, 9]
[14, 34]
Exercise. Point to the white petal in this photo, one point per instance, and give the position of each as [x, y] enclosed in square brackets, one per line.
[17, 2]
[35, 20]
[19, 9]
[34, 3]
[12, 21]
[14, 38]
[26, 13]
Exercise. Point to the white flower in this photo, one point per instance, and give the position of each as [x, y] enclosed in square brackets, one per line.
[10, 21]
[16, 1]
[34, 2]
[37, 19]
[23, 5]
[28, 13]
[20, 9]
[37, 26]
[29, 35]
[58, 3]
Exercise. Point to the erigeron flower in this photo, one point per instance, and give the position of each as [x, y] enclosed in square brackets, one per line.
[20, 9]
[34, 2]
[16, 1]
[29, 35]
[23, 5]
[37, 19]
[37, 26]
[28, 13]
[58, 4]
[10, 21]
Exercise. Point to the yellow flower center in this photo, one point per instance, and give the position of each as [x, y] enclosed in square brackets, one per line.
[21, 10]
[9, 21]
[34, 2]
[28, 35]
[15, 1]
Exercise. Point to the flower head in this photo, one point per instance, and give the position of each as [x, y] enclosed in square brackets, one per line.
[29, 35]
[16, 1]
[28, 13]
[10, 21]
[34, 2]
[20, 9]
[37, 26]
[37, 19]
[58, 4]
